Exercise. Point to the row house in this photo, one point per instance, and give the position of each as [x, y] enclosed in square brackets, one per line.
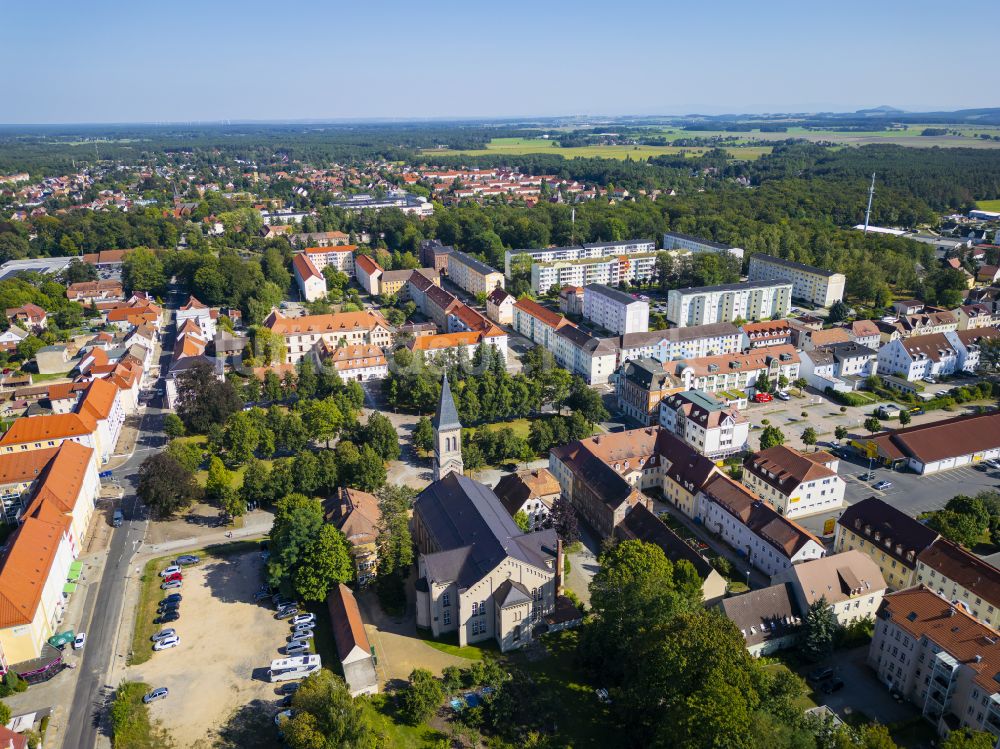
[692, 342]
[968, 581]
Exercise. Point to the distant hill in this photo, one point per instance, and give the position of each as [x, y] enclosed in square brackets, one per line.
[882, 110]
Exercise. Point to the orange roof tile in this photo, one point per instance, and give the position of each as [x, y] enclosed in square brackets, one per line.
[444, 340]
[366, 264]
[332, 248]
[17, 468]
[547, 316]
[99, 400]
[48, 427]
[305, 268]
[341, 322]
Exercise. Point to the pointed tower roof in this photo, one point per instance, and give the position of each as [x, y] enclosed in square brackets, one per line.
[447, 415]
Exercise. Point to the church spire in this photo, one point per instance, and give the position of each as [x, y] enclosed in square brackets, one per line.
[447, 435]
[446, 417]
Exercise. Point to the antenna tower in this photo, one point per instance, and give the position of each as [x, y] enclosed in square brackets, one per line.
[871, 194]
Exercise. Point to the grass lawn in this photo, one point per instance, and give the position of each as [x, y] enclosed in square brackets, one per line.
[521, 427]
[130, 722]
[399, 734]
[450, 646]
[581, 719]
[804, 702]
[39, 378]
[150, 594]
[988, 205]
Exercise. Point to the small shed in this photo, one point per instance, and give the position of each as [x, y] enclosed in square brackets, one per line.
[353, 650]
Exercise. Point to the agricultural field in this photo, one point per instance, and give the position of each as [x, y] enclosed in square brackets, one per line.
[908, 136]
[522, 146]
[988, 205]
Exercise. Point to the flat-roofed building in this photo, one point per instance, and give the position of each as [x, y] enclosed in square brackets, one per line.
[472, 275]
[889, 536]
[675, 240]
[751, 301]
[815, 285]
[513, 259]
[615, 310]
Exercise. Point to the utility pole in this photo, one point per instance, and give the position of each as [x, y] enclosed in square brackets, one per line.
[572, 222]
[868, 212]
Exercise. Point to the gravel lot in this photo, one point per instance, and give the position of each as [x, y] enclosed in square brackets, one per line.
[226, 640]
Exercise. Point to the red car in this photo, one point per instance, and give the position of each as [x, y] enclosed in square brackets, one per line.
[763, 398]
[171, 578]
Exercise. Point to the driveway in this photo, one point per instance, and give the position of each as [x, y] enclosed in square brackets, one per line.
[583, 564]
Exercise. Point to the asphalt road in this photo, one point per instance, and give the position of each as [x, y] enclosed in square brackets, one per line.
[88, 712]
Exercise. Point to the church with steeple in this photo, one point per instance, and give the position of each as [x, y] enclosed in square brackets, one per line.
[447, 436]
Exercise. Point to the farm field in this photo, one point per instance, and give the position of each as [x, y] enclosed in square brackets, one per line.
[988, 205]
[522, 146]
[909, 136]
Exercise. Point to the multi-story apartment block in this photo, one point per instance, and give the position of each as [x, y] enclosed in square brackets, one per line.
[766, 333]
[841, 366]
[796, 483]
[640, 385]
[301, 334]
[397, 199]
[771, 542]
[940, 659]
[932, 355]
[729, 372]
[890, 537]
[963, 578]
[814, 285]
[515, 259]
[615, 310]
[706, 424]
[675, 240]
[851, 584]
[610, 271]
[752, 301]
[695, 342]
[472, 275]
[341, 257]
[311, 282]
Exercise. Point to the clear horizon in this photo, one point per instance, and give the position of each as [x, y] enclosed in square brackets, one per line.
[207, 63]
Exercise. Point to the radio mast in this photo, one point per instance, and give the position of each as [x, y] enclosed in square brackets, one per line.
[871, 194]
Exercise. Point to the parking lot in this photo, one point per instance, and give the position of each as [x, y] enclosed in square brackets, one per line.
[226, 644]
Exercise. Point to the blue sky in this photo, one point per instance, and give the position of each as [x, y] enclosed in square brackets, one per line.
[112, 61]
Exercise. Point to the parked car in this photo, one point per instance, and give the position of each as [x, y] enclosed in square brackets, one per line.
[297, 646]
[163, 633]
[172, 597]
[290, 687]
[286, 613]
[171, 570]
[157, 694]
[929, 380]
[300, 634]
[174, 576]
[783, 395]
[167, 642]
[820, 674]
[883, 485]
[991, 463]
[867, 476]
[187, 559]
[303, 619]
[763, 398]
[167, 616]
[163, 608]
[80, 641]
[171, 585]
[834, 685]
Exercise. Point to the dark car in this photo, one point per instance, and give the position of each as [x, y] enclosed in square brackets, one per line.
[164, 607]
[290, 688]
[172, 597]
[167, 616]
[834, 685]
[820, 674]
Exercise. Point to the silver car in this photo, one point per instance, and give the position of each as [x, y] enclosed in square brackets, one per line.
[297, 646]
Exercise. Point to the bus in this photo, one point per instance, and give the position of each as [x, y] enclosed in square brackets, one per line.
[299, 667]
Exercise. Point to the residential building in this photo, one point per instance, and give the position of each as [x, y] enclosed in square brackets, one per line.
[866, 333]
[641, 524]
[932, 355]
[571, 300]
[963, 578]
[706, 424]
[472, 275]
[675, 240]
[750, 525]
[930, 320]
[397, 199]
[969, 344]
[447, 435]
[301, 334]
[940, 445]
[356, 514]
[940, 659]
[973, 316]
[360, 362]
[469, 341]
[693, 342]
[311, 282]
[478, 574]
[45, 431]
[500, 306]
[29, 316]
[615, 310]
[434, 255]
[519, 259]
[339, 257]
[768, 618]
[796, 483]
[807, 337]
[640, 385]
[356, 656]
[201, 313]
[738, 372]
[87, 292]
[10, 338]
[461, 325]
[592, 358]
[532, 491]
[766, 333]
[752, 301]
[320, 239]
[840, 366]
[608, 270]
[851, 584]
[817, 286]
[368, 272]
[893, 539]
[537, 323]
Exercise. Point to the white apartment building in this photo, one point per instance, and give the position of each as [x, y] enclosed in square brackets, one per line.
[841, 366]
[752, 301]
[474, 276]
[692, 342]
[301, 334]
[815, 285]
[770, 542]
[514, 258]
[340, 257]
[615, 310]
[796, 483]
[675, 240]
[931, 355]
[311, 282]
[705, 423]
[962, 577]
[604, 270]
[940, 659]
[729, 372]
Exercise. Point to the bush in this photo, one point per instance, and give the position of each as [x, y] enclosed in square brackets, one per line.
[843, 409]
[765, 422]
[804, 415]
[391, 593]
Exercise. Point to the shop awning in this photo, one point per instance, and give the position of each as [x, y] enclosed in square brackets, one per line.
[69, 588]
[74, 575]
